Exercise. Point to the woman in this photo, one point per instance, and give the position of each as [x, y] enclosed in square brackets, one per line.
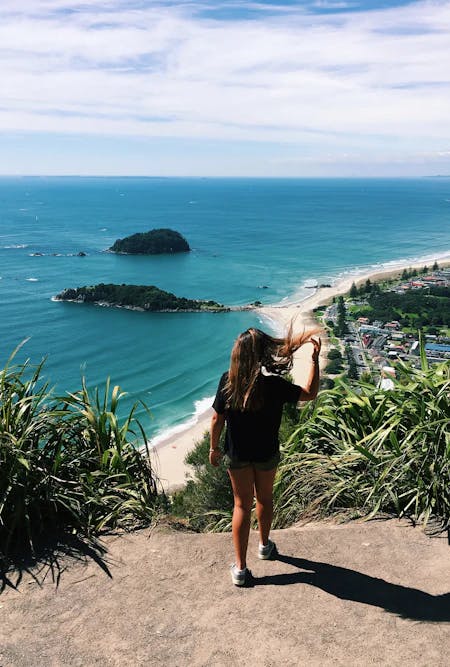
[250, 399]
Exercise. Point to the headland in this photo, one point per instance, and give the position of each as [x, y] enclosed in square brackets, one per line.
[145, 298]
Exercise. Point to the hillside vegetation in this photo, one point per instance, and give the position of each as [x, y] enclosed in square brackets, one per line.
[69, 463]
[414, 308]
[355, 449]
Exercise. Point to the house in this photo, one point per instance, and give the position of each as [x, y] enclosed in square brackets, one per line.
[368, 328]
[366, 339]
[434, 280]
[386, 382]
[415, 349]
[437, 350]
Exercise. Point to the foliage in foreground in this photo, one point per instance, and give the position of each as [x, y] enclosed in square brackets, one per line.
[372, 451]
[358, 449]
[67, 463]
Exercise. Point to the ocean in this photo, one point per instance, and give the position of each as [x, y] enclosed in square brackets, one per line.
[251, 239]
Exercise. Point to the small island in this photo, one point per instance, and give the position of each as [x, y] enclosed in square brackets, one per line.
[154, 242]
[137, 297]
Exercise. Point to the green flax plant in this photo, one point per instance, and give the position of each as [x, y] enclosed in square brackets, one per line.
[371, 450]
[67, 463]
[116, 484]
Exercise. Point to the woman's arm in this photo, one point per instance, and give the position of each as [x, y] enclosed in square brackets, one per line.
[309, 391]
[217, 423]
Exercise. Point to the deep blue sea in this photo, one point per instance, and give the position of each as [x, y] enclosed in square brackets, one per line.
[245, 234]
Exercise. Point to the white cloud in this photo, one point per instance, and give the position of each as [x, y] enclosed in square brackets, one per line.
[333, 4]
[348, 80]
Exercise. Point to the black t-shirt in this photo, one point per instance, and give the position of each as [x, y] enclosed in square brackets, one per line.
[253, 436]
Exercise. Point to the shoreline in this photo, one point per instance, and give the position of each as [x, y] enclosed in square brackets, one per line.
[168, 454]
[140, 309]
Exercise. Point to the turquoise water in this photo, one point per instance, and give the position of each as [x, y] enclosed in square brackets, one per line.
[245, 234]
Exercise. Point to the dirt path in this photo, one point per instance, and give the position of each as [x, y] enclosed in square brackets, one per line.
[357, 594]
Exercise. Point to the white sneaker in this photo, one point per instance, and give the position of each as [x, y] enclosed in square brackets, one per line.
[267, 551]
[238, 577]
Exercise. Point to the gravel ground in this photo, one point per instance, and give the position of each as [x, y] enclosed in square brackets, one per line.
[374, 593]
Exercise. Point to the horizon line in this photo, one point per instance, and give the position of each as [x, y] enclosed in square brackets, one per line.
[185, 176]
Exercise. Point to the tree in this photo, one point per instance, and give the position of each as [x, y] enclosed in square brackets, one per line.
[352, 373]
[376, 289]
[334, 367]
[353, 291]
[341, 326]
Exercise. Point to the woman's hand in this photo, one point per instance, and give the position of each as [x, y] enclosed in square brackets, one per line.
[317, 343]
[214, 457]
[217, 424]
[311, 386]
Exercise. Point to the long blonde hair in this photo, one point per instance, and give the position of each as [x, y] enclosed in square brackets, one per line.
[252, 350]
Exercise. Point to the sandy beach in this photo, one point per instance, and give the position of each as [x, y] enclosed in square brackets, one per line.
[169, 454]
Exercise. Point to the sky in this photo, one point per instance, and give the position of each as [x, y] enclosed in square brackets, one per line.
[266, 88]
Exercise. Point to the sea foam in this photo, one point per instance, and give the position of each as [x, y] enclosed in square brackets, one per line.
[200, 408]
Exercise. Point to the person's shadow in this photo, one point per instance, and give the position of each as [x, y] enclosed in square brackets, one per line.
[348, 584]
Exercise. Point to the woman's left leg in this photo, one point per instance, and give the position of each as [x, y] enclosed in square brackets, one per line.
[242, 482]
[264, 480]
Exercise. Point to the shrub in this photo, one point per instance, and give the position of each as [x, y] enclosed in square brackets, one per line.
[372, 450]
[334, 354]
[326, 383]
[206, 500]
[334, 366]
[67, 463]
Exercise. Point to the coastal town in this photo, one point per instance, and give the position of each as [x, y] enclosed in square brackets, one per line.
[368, 347]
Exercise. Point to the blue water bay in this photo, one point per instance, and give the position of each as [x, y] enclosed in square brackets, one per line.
[251, 239]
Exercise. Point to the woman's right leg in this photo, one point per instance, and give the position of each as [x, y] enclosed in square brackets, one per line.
[264, 480]
[242, 482]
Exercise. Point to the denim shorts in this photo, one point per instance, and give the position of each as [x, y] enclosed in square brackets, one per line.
[270, 464]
